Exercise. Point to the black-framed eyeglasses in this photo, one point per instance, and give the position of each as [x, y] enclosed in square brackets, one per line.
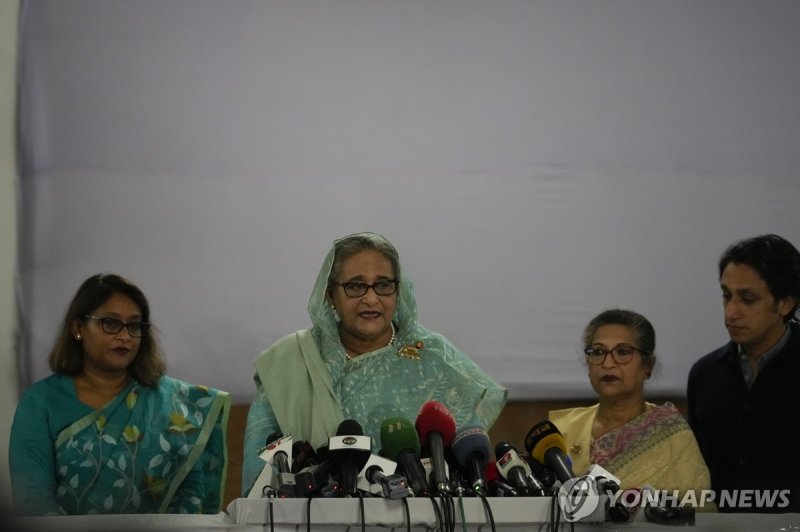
[384, 287]
[113, 325]
[621, 354]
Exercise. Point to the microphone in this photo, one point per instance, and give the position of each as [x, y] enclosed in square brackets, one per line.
[540, 473]
[303, 456]
[351, 449]
[275, 478]
[400, 443]
[312, 478]
[606, 482]
[393, 486]
[472, 449]
[516, 470]
[547, 446]
[498, 488]
[436, 428]
[455, 471]
[280, 460]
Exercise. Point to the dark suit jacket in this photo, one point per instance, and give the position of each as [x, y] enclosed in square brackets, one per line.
[750, 439]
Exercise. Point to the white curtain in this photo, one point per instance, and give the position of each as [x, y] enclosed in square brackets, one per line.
[535, 162]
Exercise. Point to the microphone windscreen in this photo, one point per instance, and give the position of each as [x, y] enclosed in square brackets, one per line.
[471, 441]
[397, 435]
[435, 417]
[303, 455]
[275, 436]
[542, 437]
[501, 449]
[322, 453]
[349, 427]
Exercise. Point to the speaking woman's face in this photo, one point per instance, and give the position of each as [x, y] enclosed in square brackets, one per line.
[366, 319]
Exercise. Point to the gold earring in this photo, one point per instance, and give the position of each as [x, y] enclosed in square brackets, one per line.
[78, 336]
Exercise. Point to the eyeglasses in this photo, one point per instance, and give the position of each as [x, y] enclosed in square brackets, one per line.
[384, 287]
[621, 354]
[113, 325]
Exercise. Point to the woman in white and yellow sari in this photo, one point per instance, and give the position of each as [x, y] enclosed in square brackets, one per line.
[640, 443]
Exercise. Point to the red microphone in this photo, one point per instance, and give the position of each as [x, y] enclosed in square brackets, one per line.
[436, 428]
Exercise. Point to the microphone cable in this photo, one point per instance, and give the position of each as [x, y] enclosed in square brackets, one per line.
[408, 513]
[361, 508]
[487, 508]
[555, 514]
[445, 513]
[461, 510]
[438, 513]
[270, 496]
[308, 512]
[449, 511]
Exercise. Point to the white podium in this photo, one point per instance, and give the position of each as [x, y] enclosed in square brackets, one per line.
[523, 513]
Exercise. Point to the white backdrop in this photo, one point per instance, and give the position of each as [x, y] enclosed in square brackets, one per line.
[534, 162]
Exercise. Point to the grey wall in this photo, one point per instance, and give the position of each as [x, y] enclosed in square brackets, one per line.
[534, 162]
[8, 235]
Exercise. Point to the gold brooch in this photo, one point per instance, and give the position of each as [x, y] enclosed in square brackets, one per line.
[411, 351]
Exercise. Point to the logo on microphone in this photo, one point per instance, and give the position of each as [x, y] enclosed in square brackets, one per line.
[578, 498]
[349, 440]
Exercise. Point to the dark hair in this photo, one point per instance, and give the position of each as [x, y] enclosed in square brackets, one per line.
[66, 357]
[353, 244]
[775, 260]
[641, 326]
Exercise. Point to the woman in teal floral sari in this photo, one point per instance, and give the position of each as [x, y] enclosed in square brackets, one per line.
[108, 432]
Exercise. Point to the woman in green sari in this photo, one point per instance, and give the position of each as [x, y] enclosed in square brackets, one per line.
[366, 358]
[108, 431]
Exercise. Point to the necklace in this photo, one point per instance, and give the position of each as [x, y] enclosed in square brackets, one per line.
[348, 356]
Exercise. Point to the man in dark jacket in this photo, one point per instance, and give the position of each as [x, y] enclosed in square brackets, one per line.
[744, 398]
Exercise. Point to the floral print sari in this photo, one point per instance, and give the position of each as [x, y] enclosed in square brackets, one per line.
[149, 450]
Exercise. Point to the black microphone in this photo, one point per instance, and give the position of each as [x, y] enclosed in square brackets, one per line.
[459, 482]
[540, 472]
[516, 470]
[303, 455]
[546, 444]
[351, 450]
[393, 486]
[497, 487]
[280, 460]
[472, 449]
[312, 478]
[436, 428]
[400, 443]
